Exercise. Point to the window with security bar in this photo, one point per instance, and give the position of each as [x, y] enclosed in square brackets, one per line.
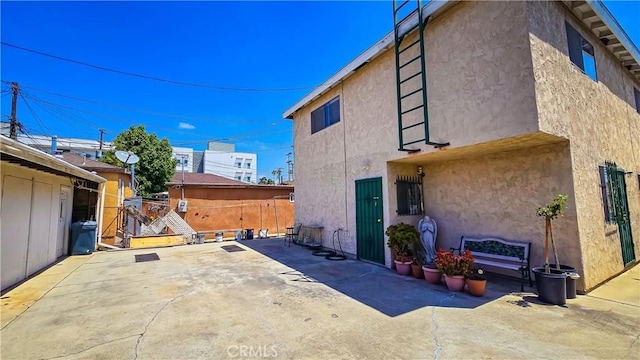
[409, 191]
[607, 196]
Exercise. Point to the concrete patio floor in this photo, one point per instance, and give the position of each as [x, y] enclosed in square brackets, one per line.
[272, 301]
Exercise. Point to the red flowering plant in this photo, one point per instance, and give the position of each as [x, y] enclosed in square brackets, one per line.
[451, 264]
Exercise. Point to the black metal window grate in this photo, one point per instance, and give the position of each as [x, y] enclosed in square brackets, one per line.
[607, 196]
[409, 190]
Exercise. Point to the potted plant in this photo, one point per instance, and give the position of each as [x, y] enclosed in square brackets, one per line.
[431, 274]
[454, 267]
[476, 282]
[551, 283]
[402, 238]
[418, 258]
[416, 267]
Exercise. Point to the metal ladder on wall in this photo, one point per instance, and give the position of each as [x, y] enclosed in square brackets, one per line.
[402, 27]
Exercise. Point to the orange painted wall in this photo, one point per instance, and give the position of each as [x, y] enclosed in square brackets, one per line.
[250, 208]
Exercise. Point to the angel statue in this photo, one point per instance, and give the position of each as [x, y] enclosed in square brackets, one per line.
[428, 230]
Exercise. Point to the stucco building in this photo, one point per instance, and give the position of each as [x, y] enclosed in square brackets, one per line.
[525, 100]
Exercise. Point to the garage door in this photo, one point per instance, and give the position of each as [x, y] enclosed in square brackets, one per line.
[28, 237]
[16, 208]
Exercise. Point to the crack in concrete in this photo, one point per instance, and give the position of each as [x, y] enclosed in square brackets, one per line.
[267, 326]
[146, 327]
[90, 347]
[434, 333]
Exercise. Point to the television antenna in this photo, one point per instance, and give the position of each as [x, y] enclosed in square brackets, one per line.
[129, 158]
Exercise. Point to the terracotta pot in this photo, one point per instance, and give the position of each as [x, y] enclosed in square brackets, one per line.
[417, 271]
[403, 268]
[476, 287]
[454, 282]
[431, 275]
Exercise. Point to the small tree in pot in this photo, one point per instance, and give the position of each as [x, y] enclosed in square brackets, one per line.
[551, 283]
[402, 238]
[550, 212]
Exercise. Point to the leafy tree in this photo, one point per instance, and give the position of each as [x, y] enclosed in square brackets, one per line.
[264, 181]
[156, 165]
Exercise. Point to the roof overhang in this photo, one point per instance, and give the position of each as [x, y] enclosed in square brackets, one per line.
[597, 18]
[592, 13]
[17, 153]
[432, 10]
[230, 186]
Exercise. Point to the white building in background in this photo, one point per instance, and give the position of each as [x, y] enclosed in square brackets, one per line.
[85, 147]
[219, 159]
[234, 165]
[184, 157]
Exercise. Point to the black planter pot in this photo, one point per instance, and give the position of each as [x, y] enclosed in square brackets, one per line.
[572, 276]
[552, 288]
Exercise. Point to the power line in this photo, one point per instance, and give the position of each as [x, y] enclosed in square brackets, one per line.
[129, 108]
[176, 82]
[128, 122]
[35, 116]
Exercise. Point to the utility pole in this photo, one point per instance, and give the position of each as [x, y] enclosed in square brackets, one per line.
[289, 167]
[13, 123]
[101, 142]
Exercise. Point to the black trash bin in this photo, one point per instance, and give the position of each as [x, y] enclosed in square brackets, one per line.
[572, 276]
[83, 237]
[249, 234]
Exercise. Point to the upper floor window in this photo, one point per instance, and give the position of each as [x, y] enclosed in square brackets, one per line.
[326, 115]
[581, 52]
[248, 178]
[636, 94]
[239, 164]
[248, 165]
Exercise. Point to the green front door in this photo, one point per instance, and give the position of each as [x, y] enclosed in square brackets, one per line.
[369, 222]
[618, 188]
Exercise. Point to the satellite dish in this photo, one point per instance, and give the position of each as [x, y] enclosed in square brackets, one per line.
[127, 157]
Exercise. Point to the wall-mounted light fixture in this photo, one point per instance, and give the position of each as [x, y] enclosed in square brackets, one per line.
[420, 172]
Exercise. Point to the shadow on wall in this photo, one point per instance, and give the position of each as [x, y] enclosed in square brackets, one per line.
[375, 286]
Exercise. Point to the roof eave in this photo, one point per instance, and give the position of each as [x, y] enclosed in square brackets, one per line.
[596, 17]
[42, 161]
[431, 9]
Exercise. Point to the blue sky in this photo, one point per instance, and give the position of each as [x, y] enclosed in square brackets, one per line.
[257, 45]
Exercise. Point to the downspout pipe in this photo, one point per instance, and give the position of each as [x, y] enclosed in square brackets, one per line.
[103, 192]
[275, 209]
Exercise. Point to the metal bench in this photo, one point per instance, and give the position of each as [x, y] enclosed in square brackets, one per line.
[500, 253]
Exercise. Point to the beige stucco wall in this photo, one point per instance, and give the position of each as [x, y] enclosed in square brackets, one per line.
[500, 84]
[601, 122]
[469, 102]
[498, 195]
